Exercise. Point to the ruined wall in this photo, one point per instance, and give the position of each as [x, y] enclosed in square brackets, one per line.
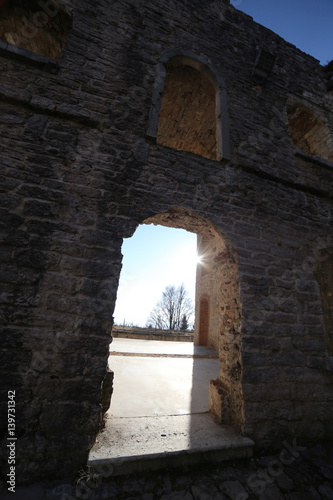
[79, 174]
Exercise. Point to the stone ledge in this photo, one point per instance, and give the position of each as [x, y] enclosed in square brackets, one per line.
[149, 335]
[313, 159]
[42, 106]
[28, 57]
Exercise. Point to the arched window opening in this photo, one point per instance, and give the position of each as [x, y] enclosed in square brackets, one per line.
[188, 113]
[324, 276]
[309, 133]
[37, 25]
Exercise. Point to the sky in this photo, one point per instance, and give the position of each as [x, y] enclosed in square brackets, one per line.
[308, 24]
[155, 256]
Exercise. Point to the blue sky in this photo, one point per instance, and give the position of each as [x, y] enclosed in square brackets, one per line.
[308, 24]
[155, 256]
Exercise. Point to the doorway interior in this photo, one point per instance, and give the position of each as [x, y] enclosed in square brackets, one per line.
[217, 324]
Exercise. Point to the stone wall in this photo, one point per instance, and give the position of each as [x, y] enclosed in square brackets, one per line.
[145, 334]
[80, 172]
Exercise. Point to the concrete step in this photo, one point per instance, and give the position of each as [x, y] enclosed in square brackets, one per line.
[130, 445]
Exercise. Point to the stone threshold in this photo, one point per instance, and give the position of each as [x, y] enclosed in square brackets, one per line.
[129, 445]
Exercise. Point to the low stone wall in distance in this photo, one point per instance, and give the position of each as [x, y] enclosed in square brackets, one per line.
[151, 334]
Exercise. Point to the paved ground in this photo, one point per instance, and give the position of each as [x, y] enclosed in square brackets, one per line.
[289, 474]
[160, 378]
[160, 405]
[159, 347]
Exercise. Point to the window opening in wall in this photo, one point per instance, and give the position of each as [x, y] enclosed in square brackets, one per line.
[36, 25]
[164, 388]
[309, 132]
[188, 113]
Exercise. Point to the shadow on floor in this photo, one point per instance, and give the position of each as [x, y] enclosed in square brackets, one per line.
[159, 410]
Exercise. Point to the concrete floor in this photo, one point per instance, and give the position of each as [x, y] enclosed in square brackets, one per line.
[159, 409]
[159, 347]
[160, 383]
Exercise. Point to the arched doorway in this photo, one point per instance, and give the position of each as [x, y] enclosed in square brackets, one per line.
[217, 316]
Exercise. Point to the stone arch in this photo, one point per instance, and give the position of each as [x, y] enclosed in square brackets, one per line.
[179, 65]
[310, 132]
[218, 273]
[39, 26]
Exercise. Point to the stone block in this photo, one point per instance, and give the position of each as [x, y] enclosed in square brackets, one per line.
[206, 491]
[178, 495]
[234, 490]
[326, 490]
[285, 482]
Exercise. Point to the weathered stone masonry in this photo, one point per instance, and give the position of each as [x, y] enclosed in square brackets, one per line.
[83, 163]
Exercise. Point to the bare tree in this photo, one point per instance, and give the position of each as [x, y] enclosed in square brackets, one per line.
[169, 312]
[184, 323]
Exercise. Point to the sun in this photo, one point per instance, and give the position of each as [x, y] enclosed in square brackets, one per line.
[189, 258]
[184, 263]
[199, 259]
